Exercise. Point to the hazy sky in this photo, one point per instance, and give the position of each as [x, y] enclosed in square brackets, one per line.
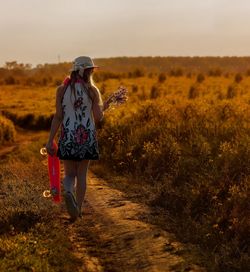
[39, 31]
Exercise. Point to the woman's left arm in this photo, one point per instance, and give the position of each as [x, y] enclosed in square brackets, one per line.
[118, 97]
[98, 110]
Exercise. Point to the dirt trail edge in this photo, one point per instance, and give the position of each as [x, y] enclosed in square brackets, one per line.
[111, 237]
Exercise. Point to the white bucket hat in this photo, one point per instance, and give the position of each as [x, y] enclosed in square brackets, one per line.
[83, 62]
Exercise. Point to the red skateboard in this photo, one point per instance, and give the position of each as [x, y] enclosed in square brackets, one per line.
[54, 175]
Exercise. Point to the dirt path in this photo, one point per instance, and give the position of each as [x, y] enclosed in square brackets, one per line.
[112, 237]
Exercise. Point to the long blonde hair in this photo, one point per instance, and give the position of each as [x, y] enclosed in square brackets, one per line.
[89, 83]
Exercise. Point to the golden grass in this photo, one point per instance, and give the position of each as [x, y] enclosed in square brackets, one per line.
[32, 237]
[196, 152]
[188, 138]
[22, 100]
[28, 107]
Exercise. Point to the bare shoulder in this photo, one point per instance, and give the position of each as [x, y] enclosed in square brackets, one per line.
[95, 94]
[60, 90]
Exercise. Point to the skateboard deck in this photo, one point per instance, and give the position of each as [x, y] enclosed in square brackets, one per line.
[54, 175]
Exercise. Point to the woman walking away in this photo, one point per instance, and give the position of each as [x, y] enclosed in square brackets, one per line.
[79, 108]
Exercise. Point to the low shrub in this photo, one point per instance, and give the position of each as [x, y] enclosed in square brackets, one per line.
[200, 156]
[7, 130]
[238, 78]
[162, 78]
[30, 120]
[200, 78]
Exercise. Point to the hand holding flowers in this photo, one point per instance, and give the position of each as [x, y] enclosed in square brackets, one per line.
[117, 98]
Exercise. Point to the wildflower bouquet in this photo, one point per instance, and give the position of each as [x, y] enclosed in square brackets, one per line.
[117, 98]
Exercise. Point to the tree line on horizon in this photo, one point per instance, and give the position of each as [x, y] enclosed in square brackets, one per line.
[125, 67]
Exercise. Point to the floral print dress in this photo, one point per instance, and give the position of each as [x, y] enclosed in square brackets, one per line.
[78, 140]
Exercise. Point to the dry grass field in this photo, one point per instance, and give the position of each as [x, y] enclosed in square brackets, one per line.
[185, 137]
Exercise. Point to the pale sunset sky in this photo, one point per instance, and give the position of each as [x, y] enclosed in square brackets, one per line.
[46, 31]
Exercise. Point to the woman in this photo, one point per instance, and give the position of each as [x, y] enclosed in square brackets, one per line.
[79, 107]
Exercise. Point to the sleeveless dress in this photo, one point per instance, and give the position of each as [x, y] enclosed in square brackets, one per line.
[78, 139]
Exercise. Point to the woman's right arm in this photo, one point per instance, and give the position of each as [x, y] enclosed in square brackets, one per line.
[57, 119]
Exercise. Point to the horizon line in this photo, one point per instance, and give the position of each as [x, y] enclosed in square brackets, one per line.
[139, 56]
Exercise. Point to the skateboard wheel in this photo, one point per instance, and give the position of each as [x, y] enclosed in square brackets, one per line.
[47, 193]
[43, 151]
